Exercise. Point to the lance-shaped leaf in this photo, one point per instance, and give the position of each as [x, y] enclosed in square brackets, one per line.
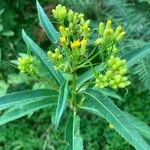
[111, 93]
[136, 55]
[140, 126]
[88, 75]
[49, 29]
[62, 101]
[73, 138]
[101, 105]
[19, 112]
[25, 97]
[57, 76]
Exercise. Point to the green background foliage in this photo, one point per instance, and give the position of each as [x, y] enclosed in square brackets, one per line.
[36, 131]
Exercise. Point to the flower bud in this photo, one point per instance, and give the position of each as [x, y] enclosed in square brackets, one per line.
[108, 24]
[101, 28]
[120, 36]
[118, 31]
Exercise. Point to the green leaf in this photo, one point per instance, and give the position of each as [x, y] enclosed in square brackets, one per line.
[49, 29]
[73, 137]
[110, 93]
[57, 76]
[140, 126]
[136, 55]
[24, 97]
[26, 109]
[62, 101]
[88, 75]
[101, 105]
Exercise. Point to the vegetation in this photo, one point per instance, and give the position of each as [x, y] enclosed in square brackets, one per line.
[88, 71]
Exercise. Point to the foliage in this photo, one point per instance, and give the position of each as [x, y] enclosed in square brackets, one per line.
[54, 75]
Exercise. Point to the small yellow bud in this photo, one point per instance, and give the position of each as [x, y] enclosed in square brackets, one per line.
[62, 40]
[49, 53]
[122, 85]
[108, 33]
[114, 87]
[108, 24]
[118, 31]
[60, 57]
[61, 29]
[83, 46]
[101, 28]
[111, 126]
[109, 73]
[70, 15]
[120, 36]
[85, 27]
[57, 51]
[123, 71]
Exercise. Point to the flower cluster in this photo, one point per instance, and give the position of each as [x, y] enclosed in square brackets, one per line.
[74, 32]
[72, 45]
[115, 76]
[57, 58]
[108, 37]
[25, 65]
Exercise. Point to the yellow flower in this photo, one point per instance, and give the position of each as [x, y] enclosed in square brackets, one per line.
[85, 27]
[62, 40]
[75, 44]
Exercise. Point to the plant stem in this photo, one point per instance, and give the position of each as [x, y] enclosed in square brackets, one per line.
[74, 88]
[89, 60]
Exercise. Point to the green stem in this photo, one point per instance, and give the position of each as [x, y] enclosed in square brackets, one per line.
[89, 60]
[74, 88]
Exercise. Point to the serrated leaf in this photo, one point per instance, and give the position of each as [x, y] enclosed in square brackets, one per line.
[140, 126]
[49, 29]
[136, 55]
[101, 105]
[26, 109]
[24, 97]
[73, 138]
[62, 101]
[88, 75]
[57, 76]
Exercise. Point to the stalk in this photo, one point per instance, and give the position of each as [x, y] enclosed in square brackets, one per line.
[74, 89]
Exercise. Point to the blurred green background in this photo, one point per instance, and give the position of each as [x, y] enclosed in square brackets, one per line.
[35, 131]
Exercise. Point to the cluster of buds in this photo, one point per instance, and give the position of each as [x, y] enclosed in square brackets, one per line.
[60, 13]
[26, 65]
[115, 76]
[57, 58]
[108, 37]
[74, 29]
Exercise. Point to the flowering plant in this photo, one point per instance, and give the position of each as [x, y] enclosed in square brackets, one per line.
[68, 88]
